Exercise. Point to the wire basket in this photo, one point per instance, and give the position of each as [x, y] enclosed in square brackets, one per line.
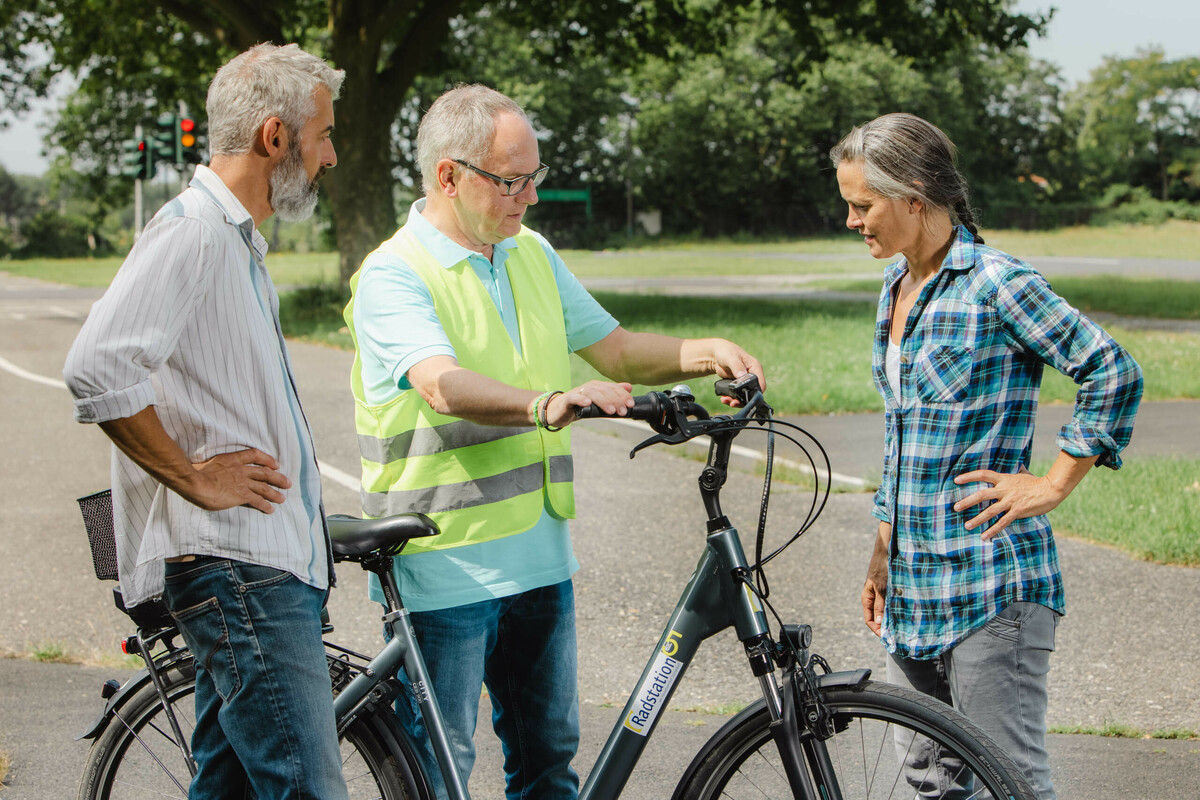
[98, 520]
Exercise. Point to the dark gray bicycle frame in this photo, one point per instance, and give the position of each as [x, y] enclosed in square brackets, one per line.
[712, 601]
[403, 650]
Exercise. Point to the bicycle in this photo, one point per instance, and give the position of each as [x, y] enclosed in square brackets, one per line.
[814, 734]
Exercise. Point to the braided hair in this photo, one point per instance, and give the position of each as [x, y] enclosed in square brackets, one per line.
[903, 156]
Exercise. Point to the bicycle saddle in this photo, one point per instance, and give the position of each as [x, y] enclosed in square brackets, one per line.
[351, 536]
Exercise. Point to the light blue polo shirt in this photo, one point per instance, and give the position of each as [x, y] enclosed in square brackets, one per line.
[396, 327]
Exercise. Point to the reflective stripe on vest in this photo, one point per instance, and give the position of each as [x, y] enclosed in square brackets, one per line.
[477, 482]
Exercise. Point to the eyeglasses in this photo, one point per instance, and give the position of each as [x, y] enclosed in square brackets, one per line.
[511, 185]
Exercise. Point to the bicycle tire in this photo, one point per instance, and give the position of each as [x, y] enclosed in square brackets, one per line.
[141, 759]
[743, 754]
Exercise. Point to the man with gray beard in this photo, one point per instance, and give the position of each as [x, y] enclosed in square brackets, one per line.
[216, 496]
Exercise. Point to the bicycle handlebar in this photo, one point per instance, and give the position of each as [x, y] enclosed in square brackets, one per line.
[676, 417]
[646, 407]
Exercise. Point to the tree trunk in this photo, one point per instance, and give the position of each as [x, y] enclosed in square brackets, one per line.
[411, 32]
[360, 186]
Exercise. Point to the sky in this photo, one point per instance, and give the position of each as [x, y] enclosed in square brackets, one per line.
[1081, 34]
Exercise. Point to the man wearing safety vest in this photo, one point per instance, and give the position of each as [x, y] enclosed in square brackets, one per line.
[463, 323]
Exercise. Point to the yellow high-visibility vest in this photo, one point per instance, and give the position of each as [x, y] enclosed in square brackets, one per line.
[477, 482]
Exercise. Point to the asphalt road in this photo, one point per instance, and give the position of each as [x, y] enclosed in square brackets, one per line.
[1126, 651]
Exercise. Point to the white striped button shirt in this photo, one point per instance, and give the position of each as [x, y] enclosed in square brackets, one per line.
[190, 325]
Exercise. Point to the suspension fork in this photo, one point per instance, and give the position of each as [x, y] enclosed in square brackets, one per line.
[800, 722]
[781, 706]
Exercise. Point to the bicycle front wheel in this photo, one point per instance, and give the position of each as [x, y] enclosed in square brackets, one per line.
[890, 742]
[138, 755]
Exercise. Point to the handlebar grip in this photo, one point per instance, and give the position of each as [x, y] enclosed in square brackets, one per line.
[647, 407]
[589, 412]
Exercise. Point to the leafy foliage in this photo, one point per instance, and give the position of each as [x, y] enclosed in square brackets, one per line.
[575, 63]
[1140, 124]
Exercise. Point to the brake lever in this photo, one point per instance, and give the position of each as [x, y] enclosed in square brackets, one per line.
[660, 438]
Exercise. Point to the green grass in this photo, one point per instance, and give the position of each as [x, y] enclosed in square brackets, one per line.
[52, 653]
[710, 263]
[1153, 298]
[816, 352]
[1175, 239]
[1170, 364]
[1150, 508]
[1131, 297]
[1118, 731]
[287, 269]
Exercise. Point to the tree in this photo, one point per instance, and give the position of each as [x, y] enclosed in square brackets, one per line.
[1140, 121]
[132, 54]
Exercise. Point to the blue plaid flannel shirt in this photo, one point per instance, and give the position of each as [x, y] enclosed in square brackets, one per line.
[971, 367]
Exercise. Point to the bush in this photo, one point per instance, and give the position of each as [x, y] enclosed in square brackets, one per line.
[1036, 217]
[1123, 204]
[49, 234]
[1121, 194]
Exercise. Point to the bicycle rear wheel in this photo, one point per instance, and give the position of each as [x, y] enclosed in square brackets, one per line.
[141, 758]
[742, 760]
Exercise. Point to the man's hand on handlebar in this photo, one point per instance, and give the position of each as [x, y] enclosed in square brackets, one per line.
[614, 399]
[731, 361]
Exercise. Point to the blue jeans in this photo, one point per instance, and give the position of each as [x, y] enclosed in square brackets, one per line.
[997, 678]
[264, 704]
[522, 648]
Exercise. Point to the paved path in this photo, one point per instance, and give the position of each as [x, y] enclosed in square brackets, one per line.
[1127, 651]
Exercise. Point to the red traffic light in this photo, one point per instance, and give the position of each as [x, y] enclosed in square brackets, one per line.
[186, 138]
[141, 146]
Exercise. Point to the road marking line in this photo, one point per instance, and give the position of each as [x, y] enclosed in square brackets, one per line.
[748, 452]
[327, 470]
[337, 476]
[10, 367]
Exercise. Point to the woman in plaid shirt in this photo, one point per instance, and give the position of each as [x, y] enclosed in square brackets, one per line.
[964, 586]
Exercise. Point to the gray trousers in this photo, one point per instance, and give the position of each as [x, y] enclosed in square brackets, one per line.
[997, 678]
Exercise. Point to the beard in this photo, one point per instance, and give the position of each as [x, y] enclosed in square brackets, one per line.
[292, 195]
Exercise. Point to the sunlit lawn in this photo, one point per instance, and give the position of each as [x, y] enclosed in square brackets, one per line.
[287, 269]
[1149, 508]
[1130, 297]
[1174, 240]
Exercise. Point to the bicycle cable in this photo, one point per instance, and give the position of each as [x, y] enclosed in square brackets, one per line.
[824, 476]
[760, 575]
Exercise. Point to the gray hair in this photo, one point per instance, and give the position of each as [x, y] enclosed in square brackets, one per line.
[460, 124]
[265, 81]
[903, 156]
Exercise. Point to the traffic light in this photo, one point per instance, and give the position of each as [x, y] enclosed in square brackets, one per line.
[165, 140]
[138, 159]
[189, 150]
[177, 140]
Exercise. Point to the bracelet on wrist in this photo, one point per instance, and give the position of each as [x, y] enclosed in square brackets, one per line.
[543, 422]
[537, 408]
